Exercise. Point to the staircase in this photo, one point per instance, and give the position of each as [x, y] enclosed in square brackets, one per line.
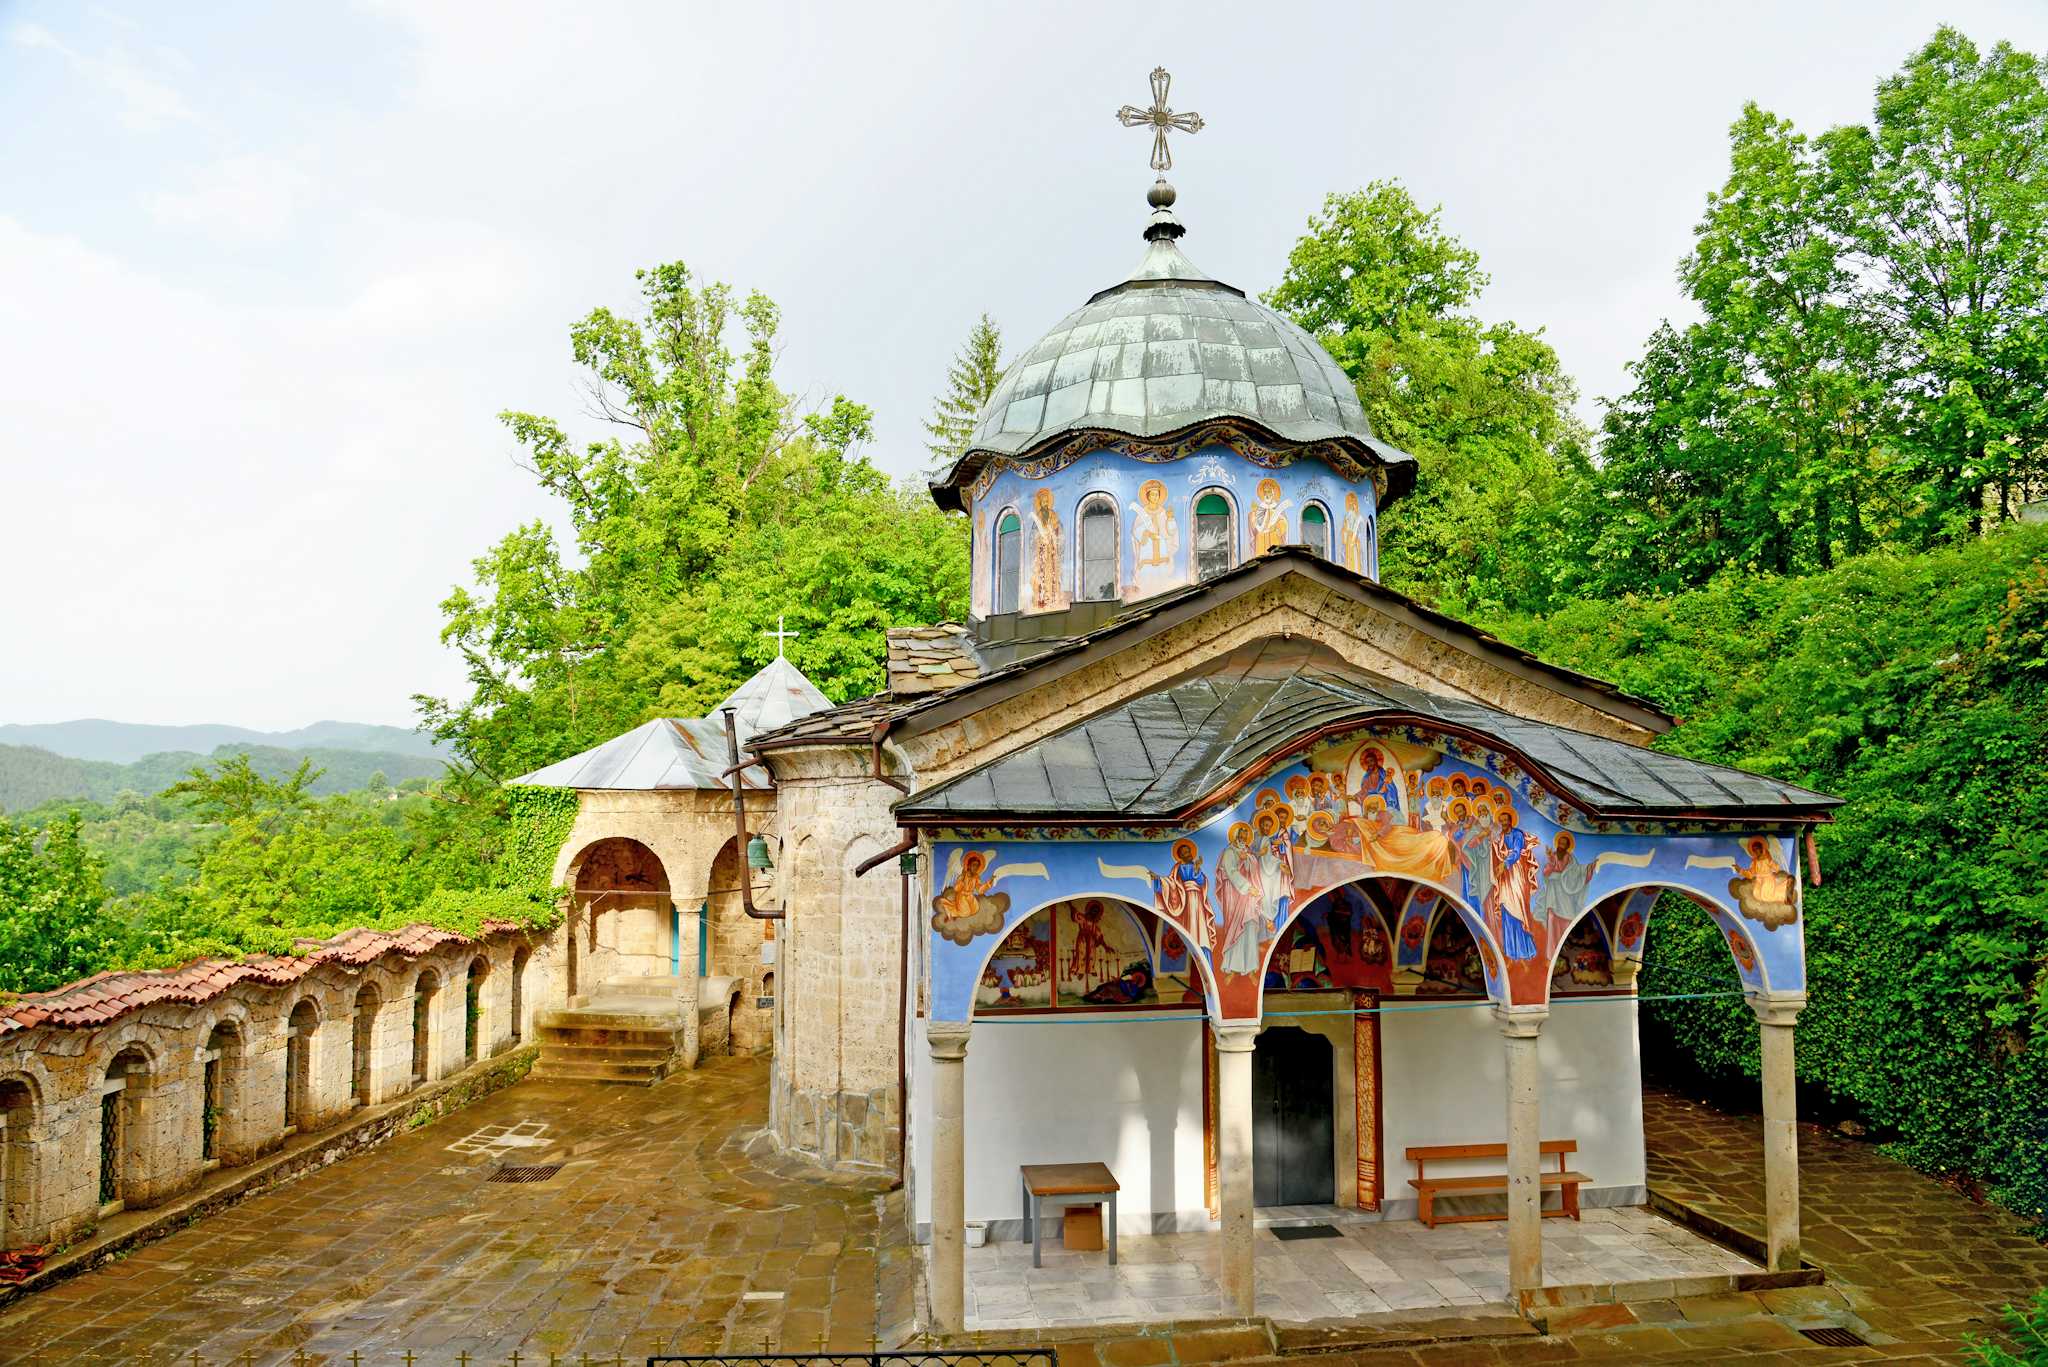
[627, 1030]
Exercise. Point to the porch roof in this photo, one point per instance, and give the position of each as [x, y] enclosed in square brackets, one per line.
[1167, 753]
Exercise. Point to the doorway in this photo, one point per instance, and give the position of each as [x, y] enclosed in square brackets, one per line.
[1294, 1126]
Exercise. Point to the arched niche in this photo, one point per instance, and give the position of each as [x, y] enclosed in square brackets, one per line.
[1090, 953]
[1620, 921]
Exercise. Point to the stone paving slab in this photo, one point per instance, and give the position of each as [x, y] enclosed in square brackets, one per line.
[649, 1240]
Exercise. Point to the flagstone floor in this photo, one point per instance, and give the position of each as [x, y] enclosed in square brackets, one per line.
[1372, 1267]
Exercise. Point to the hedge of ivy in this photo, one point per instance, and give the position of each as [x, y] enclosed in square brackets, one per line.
[1917, 689]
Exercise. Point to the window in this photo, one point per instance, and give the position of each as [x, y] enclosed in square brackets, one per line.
[1009, 560]
[1098, 550]
[1315, 529]
[1214, 526]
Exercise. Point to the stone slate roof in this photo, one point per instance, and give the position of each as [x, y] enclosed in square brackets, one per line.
[1167, 350]
[680, 753]
[105, 997]
[856, 721]
[1167, 753]
[931, 659]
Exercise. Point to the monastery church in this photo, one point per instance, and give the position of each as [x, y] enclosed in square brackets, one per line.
[1195, 854]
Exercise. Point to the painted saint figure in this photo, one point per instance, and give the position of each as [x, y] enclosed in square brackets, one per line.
[1514, 887]
[1241, 900]
[1182, 895]
[1045, 553]
[1563, 889]
[1351, 535]
[1155, 541]
[1269, 517]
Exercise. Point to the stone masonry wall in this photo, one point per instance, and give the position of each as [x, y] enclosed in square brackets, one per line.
[153, 1061]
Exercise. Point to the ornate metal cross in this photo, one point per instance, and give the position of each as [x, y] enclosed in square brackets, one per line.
[780, 635]
[1159, 118]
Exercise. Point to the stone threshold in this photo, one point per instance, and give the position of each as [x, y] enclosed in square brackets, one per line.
[223, 1187]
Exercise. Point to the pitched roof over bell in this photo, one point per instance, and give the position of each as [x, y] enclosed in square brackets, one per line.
[680, 753]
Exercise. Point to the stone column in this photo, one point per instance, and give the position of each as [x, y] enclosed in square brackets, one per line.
[948, 1041]
[1234, 1163]
[1775, 1018]
[1519, 1027]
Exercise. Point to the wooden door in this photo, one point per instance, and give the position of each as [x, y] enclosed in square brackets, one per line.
[1294, 1127]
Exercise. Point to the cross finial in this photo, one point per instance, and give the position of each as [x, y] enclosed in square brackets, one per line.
[780, 635]
[1159, 119]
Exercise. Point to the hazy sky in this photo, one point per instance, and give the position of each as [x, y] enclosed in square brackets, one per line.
[268, 271]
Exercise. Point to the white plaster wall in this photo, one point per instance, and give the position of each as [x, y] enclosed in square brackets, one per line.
[1123, 1092]
[1444, 1074]
[1128, 1093]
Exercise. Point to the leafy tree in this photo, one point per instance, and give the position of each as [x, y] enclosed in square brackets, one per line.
[1945, 207]
[54, 924]
[1871, 365]
[1485, 407]
[715, 506]
[970, 382]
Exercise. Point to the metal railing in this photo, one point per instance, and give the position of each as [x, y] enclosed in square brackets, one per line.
[979, 1357]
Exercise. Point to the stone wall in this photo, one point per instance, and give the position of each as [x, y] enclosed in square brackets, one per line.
[836, 1065]
[171, 1089]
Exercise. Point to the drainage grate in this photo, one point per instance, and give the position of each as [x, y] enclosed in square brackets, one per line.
[1292, 1232]
[1834, 1336]
[539, 1174]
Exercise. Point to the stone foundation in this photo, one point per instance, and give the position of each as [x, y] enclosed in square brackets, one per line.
[838, 1129]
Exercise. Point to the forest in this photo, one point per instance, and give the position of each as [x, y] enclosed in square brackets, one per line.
[1811, 529]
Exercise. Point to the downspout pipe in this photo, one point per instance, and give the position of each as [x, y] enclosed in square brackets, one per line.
[905, 852]
[739, 821]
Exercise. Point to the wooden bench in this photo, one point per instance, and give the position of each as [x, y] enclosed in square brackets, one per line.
[1428, 1188]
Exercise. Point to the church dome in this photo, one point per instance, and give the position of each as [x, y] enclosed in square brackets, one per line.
[1168, 352]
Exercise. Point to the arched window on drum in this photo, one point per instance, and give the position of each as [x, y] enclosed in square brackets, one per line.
[1009, 559]
[1097, 550]
[1215, 533]
[1315, 529]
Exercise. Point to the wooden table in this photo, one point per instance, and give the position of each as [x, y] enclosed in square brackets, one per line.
[1066, 1184]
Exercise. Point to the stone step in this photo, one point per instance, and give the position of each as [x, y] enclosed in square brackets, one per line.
[633, 1075]
[588, 1019]
[551, 1051]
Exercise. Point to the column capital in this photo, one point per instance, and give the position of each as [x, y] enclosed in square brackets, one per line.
[1520, 1022]
[1237, 1037]
[1776, 1008]
[948, 1039]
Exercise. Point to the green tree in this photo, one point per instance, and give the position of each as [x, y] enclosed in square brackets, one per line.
[714, 507]
[1485, 407]
[1945, 207]
[54, 925]
[970, 382]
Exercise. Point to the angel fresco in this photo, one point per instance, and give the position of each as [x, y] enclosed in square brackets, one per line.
[967, 904]
[1762, 889]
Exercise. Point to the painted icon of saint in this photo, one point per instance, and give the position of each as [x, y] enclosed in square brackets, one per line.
[1269, 517]
[1155, 540]
[1182, 894]
[1241, 897]
[1046, 592]
[1351, 535]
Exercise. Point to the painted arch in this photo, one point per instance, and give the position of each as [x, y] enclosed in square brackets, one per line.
[1469, 827]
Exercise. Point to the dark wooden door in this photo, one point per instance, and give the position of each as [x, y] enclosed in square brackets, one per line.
[1294, 1123]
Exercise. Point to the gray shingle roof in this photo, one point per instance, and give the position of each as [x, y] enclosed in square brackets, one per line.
[1166, 753]
[1167, 350]
[670, 752]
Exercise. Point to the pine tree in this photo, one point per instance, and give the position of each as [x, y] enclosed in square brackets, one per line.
[970, 380]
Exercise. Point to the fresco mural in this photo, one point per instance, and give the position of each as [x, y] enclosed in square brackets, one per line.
[1454, 964]
[1157, 499]
[1469, 837]
[1090, 953]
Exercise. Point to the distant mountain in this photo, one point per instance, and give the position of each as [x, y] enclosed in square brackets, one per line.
[125, 742]
[30, 776]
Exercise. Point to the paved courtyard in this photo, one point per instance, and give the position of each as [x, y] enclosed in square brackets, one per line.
[664, 1232]
[1371, 1268]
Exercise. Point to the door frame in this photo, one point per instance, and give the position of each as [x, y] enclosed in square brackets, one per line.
[1358, 1099]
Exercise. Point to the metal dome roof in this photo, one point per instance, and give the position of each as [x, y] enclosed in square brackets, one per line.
[1166, 351]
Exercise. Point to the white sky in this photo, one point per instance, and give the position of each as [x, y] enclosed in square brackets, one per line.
[267, 274]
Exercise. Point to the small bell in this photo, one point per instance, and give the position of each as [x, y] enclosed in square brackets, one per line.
[757, 854]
